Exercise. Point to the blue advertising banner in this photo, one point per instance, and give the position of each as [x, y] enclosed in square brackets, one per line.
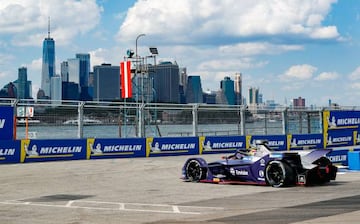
[9, 151]
[305, 141]
[275, 142]
[51, 150]
[115, 148]
[339, 156]
[172, 146]
[339, 138]
[335, 120]
[224, 144]
[6, 122]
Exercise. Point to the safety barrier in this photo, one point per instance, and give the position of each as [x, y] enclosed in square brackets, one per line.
[340, 131]
[35, 150]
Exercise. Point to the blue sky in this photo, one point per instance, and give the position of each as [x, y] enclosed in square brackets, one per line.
[288, 49]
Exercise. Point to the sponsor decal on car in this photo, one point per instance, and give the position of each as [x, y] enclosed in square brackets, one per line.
[239, 172]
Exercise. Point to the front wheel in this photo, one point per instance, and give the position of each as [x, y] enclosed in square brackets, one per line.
[279, 174]
[194, 171]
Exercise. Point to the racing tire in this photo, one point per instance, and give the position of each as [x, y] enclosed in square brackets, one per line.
[279, 174]
[194, 171]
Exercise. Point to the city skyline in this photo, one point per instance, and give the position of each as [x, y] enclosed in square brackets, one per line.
[287, 50]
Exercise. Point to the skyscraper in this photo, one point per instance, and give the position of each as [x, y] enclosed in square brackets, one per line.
[84, 74]
[194, 92]
[253, 96]
[299, 102]
[238, 88]
[84, 69]
[64, 72]
[166, 82]
[253, 99]
[56, 90]
[22, 83]
[227, 87]
[74, 70]
[106, 82]
[48, 63]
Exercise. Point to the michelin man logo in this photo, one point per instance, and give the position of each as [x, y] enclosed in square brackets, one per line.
[206, 146]
[155, 148]
[329, 141]
[332, 123]
[32, 152]
[2, 123]
[97, 150]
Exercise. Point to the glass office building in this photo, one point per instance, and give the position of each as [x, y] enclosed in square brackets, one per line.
[106, 82]
[84, 69]
[194, 93]
[227, 87]
[56, 90]
[48, 64]
[238, 88]
[166, 82]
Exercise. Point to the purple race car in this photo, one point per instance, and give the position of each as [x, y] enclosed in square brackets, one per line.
[262, 166]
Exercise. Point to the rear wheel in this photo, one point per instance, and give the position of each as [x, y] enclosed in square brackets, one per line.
[279, 174]
[194, 171]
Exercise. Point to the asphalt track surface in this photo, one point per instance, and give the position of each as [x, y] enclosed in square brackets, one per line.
[148, 190]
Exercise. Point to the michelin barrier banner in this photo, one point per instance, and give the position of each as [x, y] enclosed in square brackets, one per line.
[337, 120]
[115, 148]
[305, 141]
[341, 128]
[340, 156]
[172, 146]
[223, 144]
[6, 123]
[276, 142]
[9, 151]
[51, 150]
[337, 138]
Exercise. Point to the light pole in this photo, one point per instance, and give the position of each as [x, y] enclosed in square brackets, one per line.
[136, 43]
[139, 114]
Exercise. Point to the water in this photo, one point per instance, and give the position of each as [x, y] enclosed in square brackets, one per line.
[113, 131]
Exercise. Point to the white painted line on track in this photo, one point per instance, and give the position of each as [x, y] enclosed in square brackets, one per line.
[176, 209]
[69, 203]
[117, 206]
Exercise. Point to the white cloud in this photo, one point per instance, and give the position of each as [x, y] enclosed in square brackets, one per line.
[355, 85]
[99, 56]
[231, 64]
[327, 76]
[188, 21]
[299, 72]
[257, 48]
[68, 19]
[35, 64]
[5, 58]
[355, 75]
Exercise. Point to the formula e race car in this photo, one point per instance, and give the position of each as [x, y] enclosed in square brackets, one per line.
[262, 166]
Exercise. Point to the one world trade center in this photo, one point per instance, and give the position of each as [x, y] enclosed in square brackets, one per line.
[48, 63]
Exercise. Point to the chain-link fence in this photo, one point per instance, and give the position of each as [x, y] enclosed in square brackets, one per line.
[75, 119]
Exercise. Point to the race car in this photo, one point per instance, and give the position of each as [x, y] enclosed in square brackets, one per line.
[263, 166]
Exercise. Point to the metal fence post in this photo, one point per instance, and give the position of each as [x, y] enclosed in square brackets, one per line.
[284, 121]
[80, 119]
[14, 105]
[195, 119]
[141, 120]
[242, 121]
